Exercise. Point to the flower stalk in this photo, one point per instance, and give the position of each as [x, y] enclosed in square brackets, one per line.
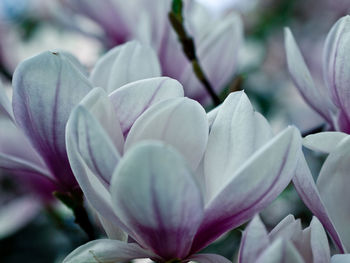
[177, 21]
[75, 201]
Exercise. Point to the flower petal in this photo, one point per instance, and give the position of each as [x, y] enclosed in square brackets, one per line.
[155, 194]
[16, 214]
[46, 88]
[280, 252]
[5, 104]
[124, 64]
[105, 251]
[209, 258]
[308, 192]
[180, 122]
[287, 229]
[220, 44]
[336, 63]
[340, 258]
[319, 242]
[324, 141]
[131, 100]
[303, 80]
[93, 158]
[251, 188]
[17, 154]
[254, 241]
[333, 183]
[235, 135]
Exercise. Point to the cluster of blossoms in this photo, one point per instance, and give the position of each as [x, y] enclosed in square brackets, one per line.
[164, 178]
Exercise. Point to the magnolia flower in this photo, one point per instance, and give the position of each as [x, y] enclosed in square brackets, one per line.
[287, 242]
[217, 42]
[328, 199]
[331, 101]
[45, 90]
[154, 165]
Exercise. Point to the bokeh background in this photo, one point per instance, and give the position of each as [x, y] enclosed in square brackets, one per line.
[32, 232]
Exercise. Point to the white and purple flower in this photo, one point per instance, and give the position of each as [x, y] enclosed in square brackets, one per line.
[156, 167]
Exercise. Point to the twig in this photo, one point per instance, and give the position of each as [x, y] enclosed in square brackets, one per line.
[177, 22]
[75, 201]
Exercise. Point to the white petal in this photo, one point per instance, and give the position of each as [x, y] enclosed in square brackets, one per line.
[235, 135]
[319, 242]
[124, 64]
[93, 158]
[209, 258]
[106, 251]
[180, 122]
[288, 229]
[333, 183]
[220, 44]
[254, 241]
[303, 79]
[5, 104]
[45, 90]
[131, 100]
[336, 63]
[324, 141]
[155, 194]
[281, 252]
[253, 186]
[308, 192]
[341, 258]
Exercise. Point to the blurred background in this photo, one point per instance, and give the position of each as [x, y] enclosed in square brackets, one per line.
[44, 232]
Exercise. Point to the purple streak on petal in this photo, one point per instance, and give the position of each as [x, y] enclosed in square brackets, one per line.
[251, 188]
[308, 192]
[46, 88]
[155, 195]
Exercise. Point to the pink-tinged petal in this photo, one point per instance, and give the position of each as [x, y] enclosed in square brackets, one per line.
[155, 195]
[16, 214]
[251, 188]
[208, 258]
[218, 54]
[319, 242]
[254, 241]
[17, 154]
[308, 192]
[105, 251]
[303, 80]
[131, 100]
[46, 88]
[336, 63]
[180, 122]
[5, 104]
[124, 64]
[343, 122]
[333, 183]
[324, 141]
[93, 158]
[340, 258]
[235, 135]
[281, 251]
[288, 229]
